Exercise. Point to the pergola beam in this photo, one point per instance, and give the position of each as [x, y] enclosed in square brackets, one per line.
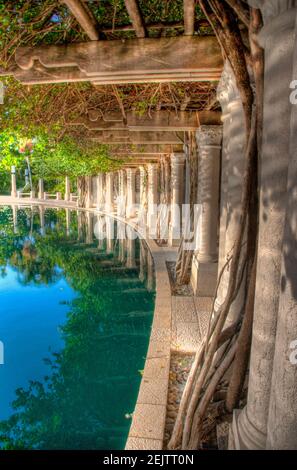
[189, 17]
[138, 159]
[130, 150]
[136, 18]
[161, 121]
[180, 58]
[84, 17]
[137, 137]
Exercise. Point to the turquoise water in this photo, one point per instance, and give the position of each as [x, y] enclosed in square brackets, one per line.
[75, 319]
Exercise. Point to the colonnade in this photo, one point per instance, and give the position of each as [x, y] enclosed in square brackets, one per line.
[269, 419]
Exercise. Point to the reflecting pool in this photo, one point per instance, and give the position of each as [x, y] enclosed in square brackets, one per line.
[75, 318]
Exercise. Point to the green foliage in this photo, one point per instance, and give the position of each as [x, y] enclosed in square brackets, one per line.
[34, 22]
[51, 156]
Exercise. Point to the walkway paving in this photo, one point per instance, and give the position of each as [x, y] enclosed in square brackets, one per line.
[190, 318]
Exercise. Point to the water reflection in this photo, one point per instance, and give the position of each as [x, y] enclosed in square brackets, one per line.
[75, 318]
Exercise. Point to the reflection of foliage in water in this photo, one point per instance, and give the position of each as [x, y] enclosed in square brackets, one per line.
[93, 381]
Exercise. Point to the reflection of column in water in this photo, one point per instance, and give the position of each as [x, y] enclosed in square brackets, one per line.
[15, 218]
[100, 225]
[41, 217]
[28, 217]
[143, 262]
[150, 272]
[121, 234]
[130, 262]
[109, 222]
[68, 218]
[79, 226]
[89, 239]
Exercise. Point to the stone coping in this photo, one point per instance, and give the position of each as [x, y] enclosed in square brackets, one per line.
[26, 201]
[148, 421]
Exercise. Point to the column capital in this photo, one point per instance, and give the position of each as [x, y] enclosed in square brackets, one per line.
[178, 158]
[209, 136]
[152, 167]
[227, 91]
[131, 170]
[272, 8]
[278, 17]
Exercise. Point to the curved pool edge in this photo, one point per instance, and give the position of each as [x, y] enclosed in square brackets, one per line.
[148, 421]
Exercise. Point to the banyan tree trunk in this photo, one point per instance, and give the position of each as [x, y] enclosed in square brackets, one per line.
[82, 190]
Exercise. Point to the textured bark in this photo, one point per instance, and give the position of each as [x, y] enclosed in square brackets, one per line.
[82, 191]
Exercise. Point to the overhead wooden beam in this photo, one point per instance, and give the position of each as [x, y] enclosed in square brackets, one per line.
[161, 121]
[137, 137]
[139, 159]
[189, 17]
[136, 18]
[181, 58]
[84, 17]
[135, 163]
[144, 150]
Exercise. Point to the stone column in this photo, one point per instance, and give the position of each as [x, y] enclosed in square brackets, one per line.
[223, 94]
[100, 191]
[165, 197]
[121, 200]
[177, 197]
[40, 188]
[282, 417]
[143, 186]
[142, 213]
[13, 192]
[109, 193]
[187, 175]
[167, 174]
[131, 192]
[277, 38]
[152, 198]
[235, 171]
[205, 262]
[67, 188]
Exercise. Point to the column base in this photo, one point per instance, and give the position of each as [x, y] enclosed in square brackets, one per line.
[243, 434]
[204, 278]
